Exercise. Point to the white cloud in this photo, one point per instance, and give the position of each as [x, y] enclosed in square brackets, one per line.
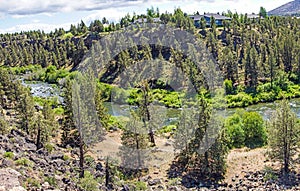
[35, 26]
[33, 7]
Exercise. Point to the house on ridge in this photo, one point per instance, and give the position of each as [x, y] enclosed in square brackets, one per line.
[207, 16]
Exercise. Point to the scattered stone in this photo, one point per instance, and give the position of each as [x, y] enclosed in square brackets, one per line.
[154, 182]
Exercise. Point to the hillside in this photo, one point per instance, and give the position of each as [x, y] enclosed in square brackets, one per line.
[291, 8]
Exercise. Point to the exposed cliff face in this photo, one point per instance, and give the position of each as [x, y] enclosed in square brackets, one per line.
[291, 8]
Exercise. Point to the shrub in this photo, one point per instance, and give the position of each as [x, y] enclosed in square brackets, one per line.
[49, 147]
[89, 160]
[235, 132]
[228, 87]
[270, 174]
[51, 180]
[9, 155]
[240, 100]
[167, 129]
[3, 126]
[58, 111]
[88, 183]
[140, 185]
[254, 128]
[66, 157]
[24, 162]
[31, 182]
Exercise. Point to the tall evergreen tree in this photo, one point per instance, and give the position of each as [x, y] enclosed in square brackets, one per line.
[283, 131]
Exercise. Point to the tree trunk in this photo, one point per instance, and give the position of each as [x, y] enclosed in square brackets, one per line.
[106, 173]
[151, 136]
[38, 139]
[81, 160]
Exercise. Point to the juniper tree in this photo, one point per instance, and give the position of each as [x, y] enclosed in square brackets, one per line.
[207, 149]
[185, 131]
[85, 118]
[144, 110]
[283, 135]
[134, 142]
[25, 107]
[39, 130]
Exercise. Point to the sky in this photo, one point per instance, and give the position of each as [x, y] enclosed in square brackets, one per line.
[24, 15]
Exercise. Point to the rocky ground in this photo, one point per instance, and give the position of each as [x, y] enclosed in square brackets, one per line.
[56, 169]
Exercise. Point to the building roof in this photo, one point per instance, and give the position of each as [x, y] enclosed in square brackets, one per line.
[196, 17]
[253, 16]
[145, 20]
[217, 16]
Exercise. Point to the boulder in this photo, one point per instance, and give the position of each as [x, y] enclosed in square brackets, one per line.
[9, 180]
[154, 182]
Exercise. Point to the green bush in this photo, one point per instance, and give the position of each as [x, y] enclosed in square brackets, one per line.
[255, 130]
[59, 110]
[32, 183]
[88, 183]
[24, 162]
[9, 155]
[140, 186]
[228, 87]
[116, 122]
[49, 147]
[66, 157]
[167, 129]
[270, 174]
[235, 131]
[89, 160]
[51, 180]
[3, 126]
[240, 100]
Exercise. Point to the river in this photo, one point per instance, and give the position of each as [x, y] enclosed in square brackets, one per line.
[45, 90]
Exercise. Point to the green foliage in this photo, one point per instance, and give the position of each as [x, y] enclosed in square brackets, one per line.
[9, 155]
[66, 157]
[245, 129]
[89, 160]
[58, 110]
[51, 180]
[263, 12]
[68, 35]
[283, 135]
[228, 87]
[24, 162]
[167, 129]
[240, 100]
[32, 183]
[88, 183]
[116, 122]
[3, 126]
[235, 131]
[139, 186]
[270, 174]
[254, 128]
[49, 147]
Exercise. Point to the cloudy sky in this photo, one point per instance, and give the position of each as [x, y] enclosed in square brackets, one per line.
[23, 15]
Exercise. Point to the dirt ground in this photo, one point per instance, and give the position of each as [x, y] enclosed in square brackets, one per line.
[239, 161]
